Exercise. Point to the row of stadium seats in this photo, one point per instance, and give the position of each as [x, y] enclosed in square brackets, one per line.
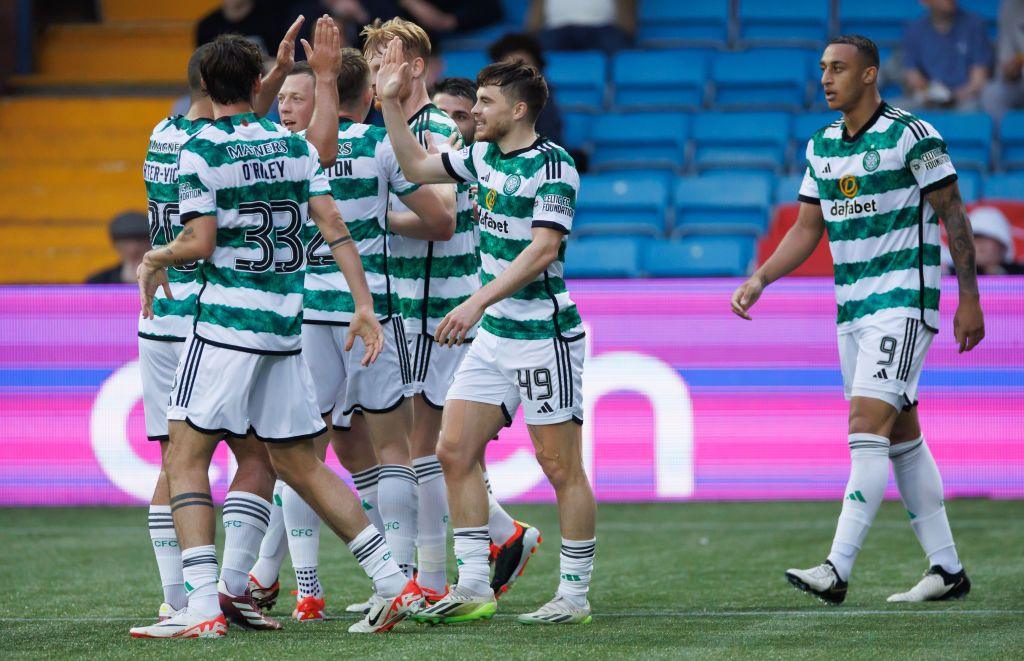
[752, 22]
[630, 256]
[771, 141]
[657, 205]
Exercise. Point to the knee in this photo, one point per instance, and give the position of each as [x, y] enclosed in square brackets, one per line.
[561, 470]
[454, 458]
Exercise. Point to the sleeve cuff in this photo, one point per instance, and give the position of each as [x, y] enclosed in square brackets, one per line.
[192, 215]
[447, 162]
[551, 225]
[941, 183]
[808, 199]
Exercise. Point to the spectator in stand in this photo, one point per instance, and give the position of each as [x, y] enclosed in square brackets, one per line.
[527, 48]
[607, 25]
[1007, 91]
[947, 57]
[129, 234]
[441, 18]
[993, 243]
[260, 21]
[350, 15]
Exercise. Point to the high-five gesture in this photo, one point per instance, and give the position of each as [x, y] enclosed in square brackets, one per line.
[285, 60]
[283, 65]
[394, 74]
[324, 56]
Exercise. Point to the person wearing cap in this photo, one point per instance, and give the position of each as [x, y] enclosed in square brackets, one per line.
[993, 243]
[129, 235]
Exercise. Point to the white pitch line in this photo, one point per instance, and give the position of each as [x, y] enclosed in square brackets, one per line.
[830, 612]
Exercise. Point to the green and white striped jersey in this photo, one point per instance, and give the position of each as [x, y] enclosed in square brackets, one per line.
[172, 318]
[361, 179]
[883, 234]
[256, 178]
[432, 277]
[532, 187]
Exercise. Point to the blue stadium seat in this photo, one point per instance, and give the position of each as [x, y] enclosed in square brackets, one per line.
[969, 182]
[883, 21]
[663, 22]
[477, 40]
[969, 137]
[579, 78]
[787, 188]
[639, 139]
[1011, 138]
[464, 64]
[576, 128]
[806, 124]
[791, 21]
[621, 204]
[515, 12]
[699, 256]
[1004, 187]
[760, 78]
[721, 204]
[746, 140]
[662, 79]
[604, 257]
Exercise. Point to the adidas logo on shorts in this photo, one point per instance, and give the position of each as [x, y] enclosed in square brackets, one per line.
[546, 408]
[881, 374]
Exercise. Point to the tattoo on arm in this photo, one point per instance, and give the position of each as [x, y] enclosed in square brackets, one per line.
[340, 241]
[947, 203]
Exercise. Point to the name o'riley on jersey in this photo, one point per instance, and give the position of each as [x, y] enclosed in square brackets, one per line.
[258, 170]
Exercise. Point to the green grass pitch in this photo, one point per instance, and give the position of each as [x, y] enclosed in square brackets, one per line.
[681, 580]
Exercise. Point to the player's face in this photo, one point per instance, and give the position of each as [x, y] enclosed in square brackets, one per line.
[460, 109]
[493, 114]
[844, 77]
[295, 102]
[374, 60]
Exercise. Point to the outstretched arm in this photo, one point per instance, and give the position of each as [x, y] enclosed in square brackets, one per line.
[325, 59]
[418, 166]
[197, 241]
[524, 269]
[969, 322]
[283, 66]
[794, 249]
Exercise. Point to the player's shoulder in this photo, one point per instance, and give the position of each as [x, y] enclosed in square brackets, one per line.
[910, 126]
[431, 119]
[833, 130]
[555, 153]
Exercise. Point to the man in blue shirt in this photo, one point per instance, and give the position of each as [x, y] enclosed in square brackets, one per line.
[947, 56]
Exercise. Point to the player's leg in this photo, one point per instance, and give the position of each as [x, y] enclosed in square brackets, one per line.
[920, 485]
[246, 516]
[263, 579]
[158, 362]
[466, 428]
[302, 526]
[513, 542]
[284, 413]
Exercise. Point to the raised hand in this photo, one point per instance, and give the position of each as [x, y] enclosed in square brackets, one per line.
[394, 74]
[285, 60]
[324, 56]
[364, 325]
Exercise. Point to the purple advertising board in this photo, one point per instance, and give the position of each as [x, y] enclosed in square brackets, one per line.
[683, 399]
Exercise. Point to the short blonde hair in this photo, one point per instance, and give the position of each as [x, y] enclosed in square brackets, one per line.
[377, 36]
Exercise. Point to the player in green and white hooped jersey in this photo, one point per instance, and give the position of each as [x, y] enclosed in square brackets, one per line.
[877, 181]
[529, 342]
[512, 542]
[246, 188]
[161, 339]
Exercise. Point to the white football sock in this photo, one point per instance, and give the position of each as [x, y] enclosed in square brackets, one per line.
[274, 545]
[396, 494]
[472, 549]
[432, 525]
[366, 485]
[168, 555]
[869, 473]
[246, 517]
[376, 559]
[576, 563]
[302, 526]
[920, 485]
[499, 523]
[199, 567]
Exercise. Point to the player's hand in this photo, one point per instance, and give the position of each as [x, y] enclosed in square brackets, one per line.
[149, 278]
[365, 325]
[456, 324]
[285, 60]
[746, 295]
[324, 56]
[968, 323]
[394, 74]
